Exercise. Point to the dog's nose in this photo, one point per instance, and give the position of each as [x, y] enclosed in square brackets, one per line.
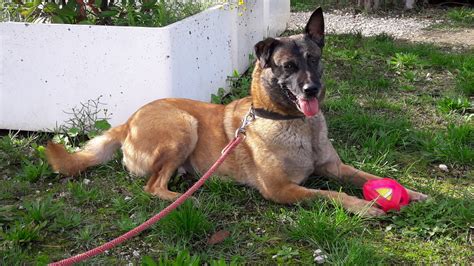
[310, 89]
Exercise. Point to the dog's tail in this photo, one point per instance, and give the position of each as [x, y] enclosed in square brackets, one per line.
[97, 150]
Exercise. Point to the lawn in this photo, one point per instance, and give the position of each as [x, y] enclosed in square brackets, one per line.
[394, 109]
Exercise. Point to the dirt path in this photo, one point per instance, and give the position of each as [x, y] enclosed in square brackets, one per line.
[458, 38]
[413, 28]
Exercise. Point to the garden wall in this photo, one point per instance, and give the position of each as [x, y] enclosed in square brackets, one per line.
[47, 69]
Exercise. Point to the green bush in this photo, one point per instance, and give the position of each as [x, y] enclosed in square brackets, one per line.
[145, 13]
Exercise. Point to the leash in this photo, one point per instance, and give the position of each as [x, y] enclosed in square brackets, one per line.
[238, 138]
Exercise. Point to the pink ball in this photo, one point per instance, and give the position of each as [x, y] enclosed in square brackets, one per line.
[387, 193]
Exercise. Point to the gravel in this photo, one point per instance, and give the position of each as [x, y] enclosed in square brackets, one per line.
[343, 22]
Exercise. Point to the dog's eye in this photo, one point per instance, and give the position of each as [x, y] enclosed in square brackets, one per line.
[313, 60]
[289, 66]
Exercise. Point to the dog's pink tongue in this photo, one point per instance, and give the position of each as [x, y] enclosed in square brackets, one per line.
[309, 107]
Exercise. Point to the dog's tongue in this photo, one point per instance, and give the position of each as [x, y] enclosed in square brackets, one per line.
[309, 107]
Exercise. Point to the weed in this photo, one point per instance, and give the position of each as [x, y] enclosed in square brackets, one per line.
[182, 258]
[22, 234]
[187, 222]
[462, 15]
[34, 169]
[87, 121]
[85, 237]
[41, 210]
[13, 189]
[12, 255]
[285, 254]
[239, 84]
[127, 223]
[402, 61]
[83, 194]
[23, 153]
[465, 78]
[66, 220]
[448, 105]
[121, 205]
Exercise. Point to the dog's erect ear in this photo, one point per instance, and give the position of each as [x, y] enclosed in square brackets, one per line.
[264, 50]
[315, 27]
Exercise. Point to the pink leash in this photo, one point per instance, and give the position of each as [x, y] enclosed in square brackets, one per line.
[101, 249]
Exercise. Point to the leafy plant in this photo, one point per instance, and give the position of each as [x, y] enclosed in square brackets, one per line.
[22, 234]
[86, 235]
[186, 222]
[40, 211]
[66, 220]
[33, 169]
[182, 258]
[286, 253]
[87, 121]
[462, 15]
[146, 13]
[83, 194]
[448, 105]
[403, 61]
[465, 78]
[239, 88]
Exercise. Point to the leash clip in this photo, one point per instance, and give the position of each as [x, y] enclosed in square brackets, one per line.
[248, 118]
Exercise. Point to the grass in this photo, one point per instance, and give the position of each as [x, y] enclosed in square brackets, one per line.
[310, 5]
[462, 16]
[394, 109]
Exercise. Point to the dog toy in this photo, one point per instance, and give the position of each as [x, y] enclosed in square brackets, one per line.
[387, 193]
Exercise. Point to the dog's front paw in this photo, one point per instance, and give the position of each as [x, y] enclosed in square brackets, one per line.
[417, 196]
[363, 208]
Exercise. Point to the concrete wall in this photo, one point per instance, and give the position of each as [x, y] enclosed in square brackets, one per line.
[47, 69]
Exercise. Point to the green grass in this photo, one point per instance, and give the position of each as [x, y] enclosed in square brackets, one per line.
[462, 16]
[311, 5]
[393, 108]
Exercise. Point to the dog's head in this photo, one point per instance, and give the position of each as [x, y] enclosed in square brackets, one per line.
[291, 67]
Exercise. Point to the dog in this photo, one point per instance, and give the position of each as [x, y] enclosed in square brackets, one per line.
[285, 144]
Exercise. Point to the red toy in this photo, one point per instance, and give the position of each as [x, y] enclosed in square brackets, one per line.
[387, 193]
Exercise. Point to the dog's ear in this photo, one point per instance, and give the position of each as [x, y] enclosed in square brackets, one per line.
[315, 27]
[264, 50]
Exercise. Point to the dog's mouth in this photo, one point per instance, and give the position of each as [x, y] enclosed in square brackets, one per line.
[308, 106]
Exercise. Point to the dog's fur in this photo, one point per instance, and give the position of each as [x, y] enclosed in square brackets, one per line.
[275, 158]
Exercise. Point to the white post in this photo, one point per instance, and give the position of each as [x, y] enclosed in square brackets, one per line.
[409, 4]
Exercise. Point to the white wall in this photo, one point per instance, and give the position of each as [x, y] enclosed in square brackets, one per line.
[46, 69]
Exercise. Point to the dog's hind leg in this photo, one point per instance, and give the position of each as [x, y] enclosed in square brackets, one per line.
[157, 185]
[156, 147]
[169, 156]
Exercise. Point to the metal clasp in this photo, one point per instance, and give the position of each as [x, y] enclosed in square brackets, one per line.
[248, 118]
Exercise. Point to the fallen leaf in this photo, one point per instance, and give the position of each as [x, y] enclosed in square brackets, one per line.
[218, 237]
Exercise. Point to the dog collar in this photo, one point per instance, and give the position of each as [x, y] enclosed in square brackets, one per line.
[274, 116]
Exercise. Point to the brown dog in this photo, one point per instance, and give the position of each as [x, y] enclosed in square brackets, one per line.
[286, 143]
